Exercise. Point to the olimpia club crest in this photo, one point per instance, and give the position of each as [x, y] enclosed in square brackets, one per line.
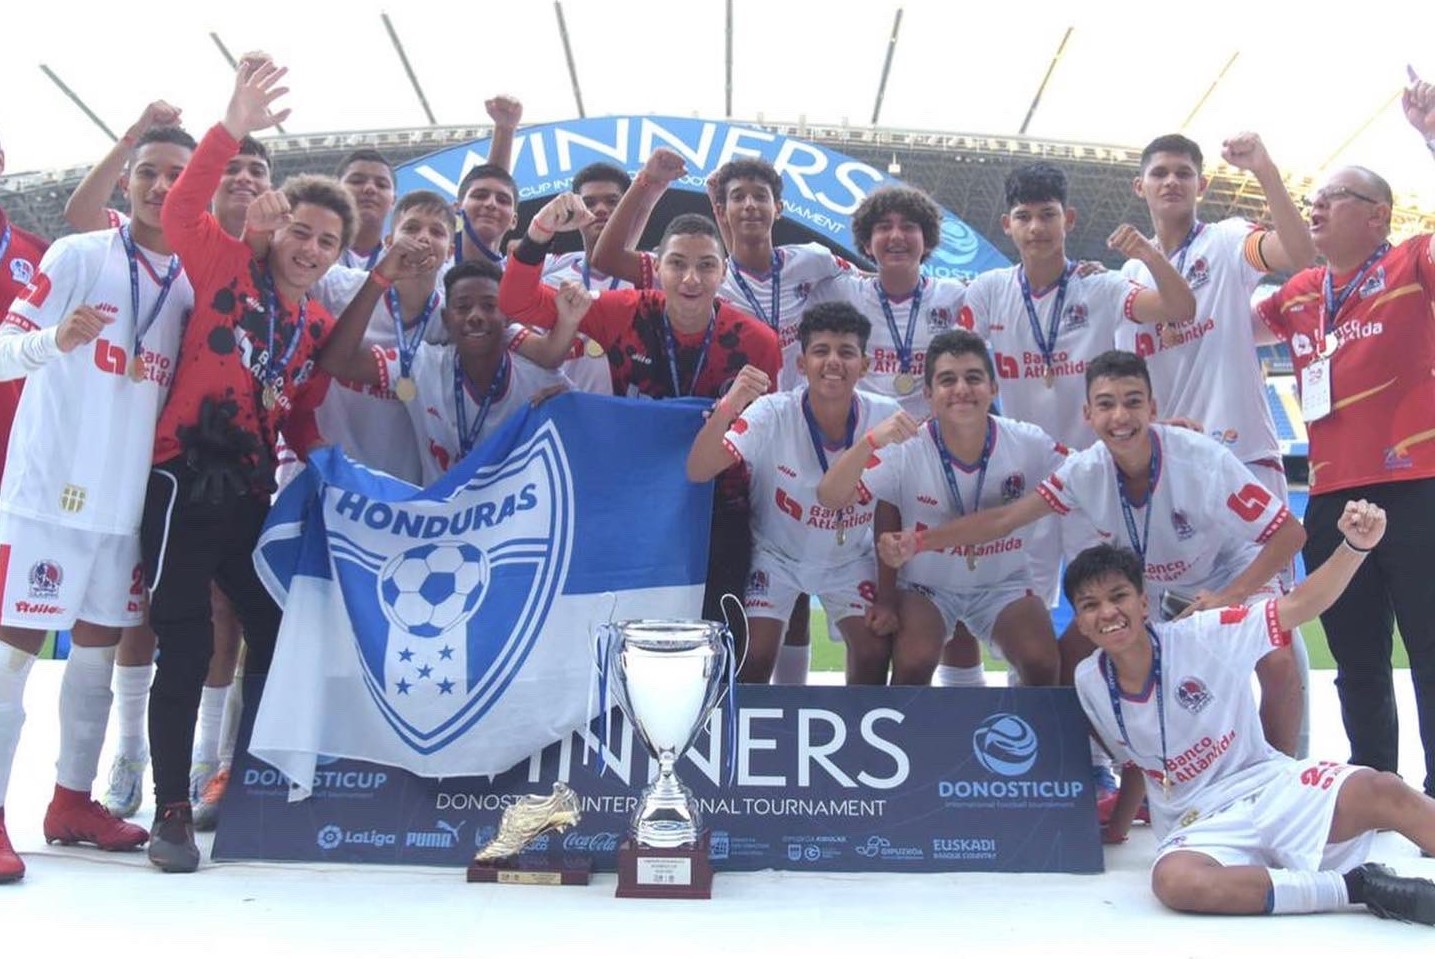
[447, 597]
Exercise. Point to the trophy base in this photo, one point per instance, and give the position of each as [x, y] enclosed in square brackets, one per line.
[646, 872]
[533, 869]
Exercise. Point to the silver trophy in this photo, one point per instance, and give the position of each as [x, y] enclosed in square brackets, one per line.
[667, 675]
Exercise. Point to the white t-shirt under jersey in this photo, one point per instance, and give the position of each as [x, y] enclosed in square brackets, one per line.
[1216, 751]
[940, 305]
[1208, 514]
[1211, 373]
[83, 440]
[910, 476]
[772, 438]
[587, 364]
[1095, 306]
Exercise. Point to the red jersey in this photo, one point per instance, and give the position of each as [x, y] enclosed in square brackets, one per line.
[628, 324]
[20, 253]
[1381, 427]
[225, 354]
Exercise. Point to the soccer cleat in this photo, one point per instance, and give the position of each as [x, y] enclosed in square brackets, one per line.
[12, 867]
[201, 771]
[1407, 898]
[171, 844]
[126, 788]
[69, 821]
[1106, 792]
[206, 811]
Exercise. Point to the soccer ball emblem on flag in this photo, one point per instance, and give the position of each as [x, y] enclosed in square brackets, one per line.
[434, 587]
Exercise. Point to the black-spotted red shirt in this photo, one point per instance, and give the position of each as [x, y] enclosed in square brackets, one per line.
[225, 351]
[19, 262]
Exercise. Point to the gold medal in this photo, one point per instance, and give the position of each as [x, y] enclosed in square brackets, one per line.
[270, 397]
[972, 558]
[1048, 376]
[137, 368]
[405, 389]
[1165, 785]
[841, 535]
[594, 349]
[904, 383]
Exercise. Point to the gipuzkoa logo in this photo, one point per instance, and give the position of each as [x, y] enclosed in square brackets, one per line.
[1005, 744]
[447, 598]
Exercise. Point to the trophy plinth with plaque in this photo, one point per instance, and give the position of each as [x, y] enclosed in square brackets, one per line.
[667, 675]
[506, 858]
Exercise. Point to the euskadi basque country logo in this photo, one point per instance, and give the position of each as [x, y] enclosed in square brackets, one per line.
[1005, 744]
[448, 597]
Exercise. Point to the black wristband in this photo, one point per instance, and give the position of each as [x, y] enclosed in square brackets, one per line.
[1355, 549]
[530, 251]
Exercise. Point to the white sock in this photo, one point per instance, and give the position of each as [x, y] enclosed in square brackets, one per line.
[85, 699]
[14, 670]
[131, 699]
[1302, 891]
[229, 727]
[953, 676]
[211, 717]
[792, 665]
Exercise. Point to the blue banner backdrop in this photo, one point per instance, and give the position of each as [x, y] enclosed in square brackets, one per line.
[821, 188]
[841, 779]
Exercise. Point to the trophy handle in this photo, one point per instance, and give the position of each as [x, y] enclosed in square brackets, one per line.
[728, 618]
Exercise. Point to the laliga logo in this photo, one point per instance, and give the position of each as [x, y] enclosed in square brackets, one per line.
[1005, 744]
[330, 837]
[431, 588]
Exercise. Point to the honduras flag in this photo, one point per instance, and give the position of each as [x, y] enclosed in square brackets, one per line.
[447, 631]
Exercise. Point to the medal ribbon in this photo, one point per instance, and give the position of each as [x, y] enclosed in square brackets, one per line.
[588, 277]
[1333, 303]
[133, 255]
[773, 318]
[1139, 543]
[903, 345]
[409, 345]
[948, 459]
[1108, 671]
[5, 241]
[467, 436]
[1178, 255]
[458, 242]
[273, 372]
[672, 345]
[1046, 342]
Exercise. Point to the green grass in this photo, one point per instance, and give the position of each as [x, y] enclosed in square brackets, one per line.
[828, 656]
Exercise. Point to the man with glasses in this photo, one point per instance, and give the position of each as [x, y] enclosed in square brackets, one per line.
[1360, 334]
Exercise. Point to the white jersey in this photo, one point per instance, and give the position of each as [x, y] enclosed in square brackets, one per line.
[1204, 519]
[1209, 371]
[587, 363]
[1216, 751]
[352, 259]
[802, 267]
[83, 440]
[369, 422]
[434, 412]
[938, 305]
[1094, 307]
[910, 476]
[560, 268]
[772, 438]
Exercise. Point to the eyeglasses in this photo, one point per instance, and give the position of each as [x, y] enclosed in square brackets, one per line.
[1331, 194]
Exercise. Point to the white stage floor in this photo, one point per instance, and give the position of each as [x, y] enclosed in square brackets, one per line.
[73, 899]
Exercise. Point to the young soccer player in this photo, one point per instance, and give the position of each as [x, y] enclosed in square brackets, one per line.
[96, 333]
[786, 440]
[1244, 829]
[369, 178]
[960, 461]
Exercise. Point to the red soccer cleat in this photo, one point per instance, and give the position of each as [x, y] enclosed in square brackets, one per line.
[12, 867]
[76, 818]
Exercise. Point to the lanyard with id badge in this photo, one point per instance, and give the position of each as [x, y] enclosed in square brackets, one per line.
[1315, 394]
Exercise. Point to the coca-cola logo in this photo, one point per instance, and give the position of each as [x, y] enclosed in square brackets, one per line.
[598, 842]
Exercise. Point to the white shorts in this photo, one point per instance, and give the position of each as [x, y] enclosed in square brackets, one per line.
[977, 608]
[51, 576]
[1285, 825]
[775, 582]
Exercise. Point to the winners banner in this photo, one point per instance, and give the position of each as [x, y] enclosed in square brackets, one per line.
[446, 631]
[823, 778]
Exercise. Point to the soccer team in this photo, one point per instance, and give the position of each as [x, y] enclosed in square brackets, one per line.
[175, 361]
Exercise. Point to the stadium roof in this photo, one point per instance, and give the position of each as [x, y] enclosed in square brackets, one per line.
[1321, 88]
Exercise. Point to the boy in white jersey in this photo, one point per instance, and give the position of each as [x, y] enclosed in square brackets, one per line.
[96, 334]
[369, 177]
[1206, 370]
[786, 441]
[458, 393]
[960, 461]
[1243, 829]
[1198, 518]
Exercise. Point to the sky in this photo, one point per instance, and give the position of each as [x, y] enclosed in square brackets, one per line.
[1130, 71]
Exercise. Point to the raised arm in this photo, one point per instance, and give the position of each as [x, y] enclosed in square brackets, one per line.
[549, 350]
[709, 455]
[1418, 102]
[838, 488]
[1172, 300]
[87, 208]
[983, 526]
[614, 253]
[1276, 554]
[1289, 247]
[344, 354]
[522, 296]
[1363, 526]
[506, 113]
